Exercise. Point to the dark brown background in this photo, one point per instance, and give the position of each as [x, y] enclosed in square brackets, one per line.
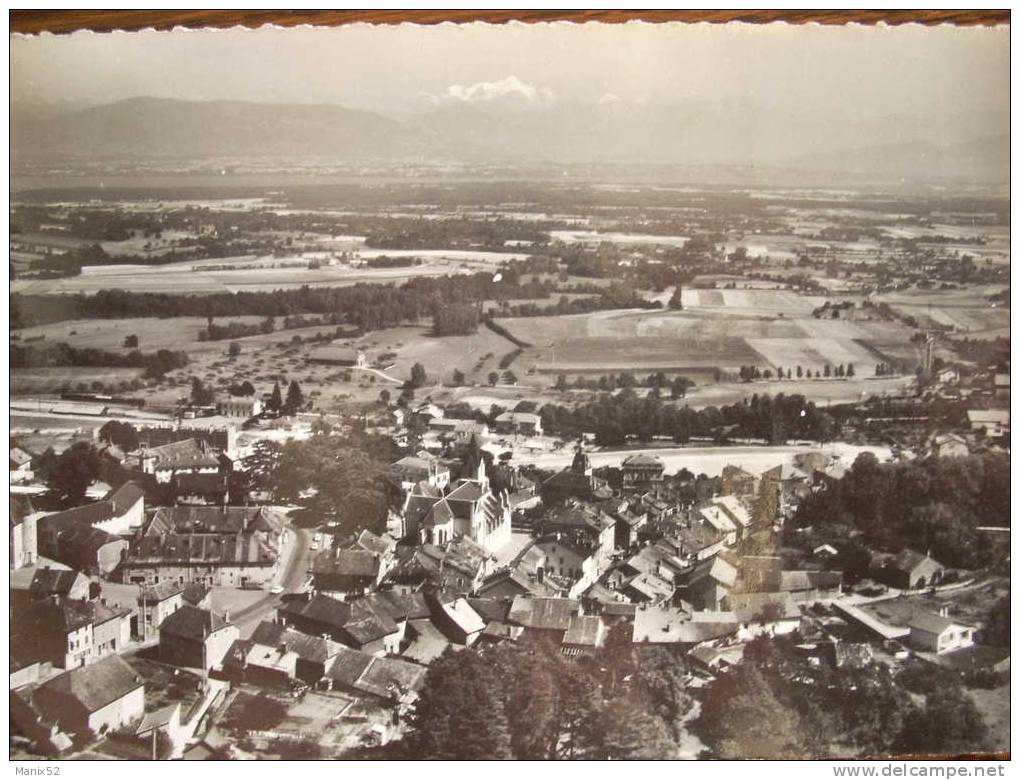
[67, 21]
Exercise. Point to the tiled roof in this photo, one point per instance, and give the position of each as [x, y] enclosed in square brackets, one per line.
[348, 666]
[934, 624]
[543, 613]
[48, 581]
[321, 609]
[584, 630]
[389, 677]
[96, 685]
[125, 497]
[190, 622]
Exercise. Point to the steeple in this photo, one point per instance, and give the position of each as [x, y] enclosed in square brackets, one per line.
[581, 464]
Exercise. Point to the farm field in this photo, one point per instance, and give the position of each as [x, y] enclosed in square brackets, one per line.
[186, 278]
[153, 333]
[786, 302]
[54, 380]
[678, 341]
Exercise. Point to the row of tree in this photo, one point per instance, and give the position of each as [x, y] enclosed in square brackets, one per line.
[612, 418]
[61, 354]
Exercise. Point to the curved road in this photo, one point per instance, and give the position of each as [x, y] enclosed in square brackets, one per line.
[294, 574]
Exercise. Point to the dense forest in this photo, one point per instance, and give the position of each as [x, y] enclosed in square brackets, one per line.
[933, 505]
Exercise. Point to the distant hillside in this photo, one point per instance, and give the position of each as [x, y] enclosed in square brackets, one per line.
[686, 133]
[158, 127]
[982, 161]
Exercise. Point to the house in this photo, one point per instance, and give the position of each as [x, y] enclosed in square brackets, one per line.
[226, 546]
[119, 512]
[201, 489]
[1000, 386]
[69, 632]
[764, 613]
[949, 445]
[735, 481]
[811, 585]
[470, 509]
[21, 465]
[391, 681]
[458, 430]
[911, 569]
[584, 636]
[244, 406]
[543, 617]
[522, 423]
[410, 470]
[993, 423]
[719, 522]
[276, 655]
[458, 620]
[156, 603]
[363, 624]
[697, 542]
[66, 583]
[196, 638]
[639, 471]
[938, 634]
[83, 547]
[674, 625]
[99, 697]
[577, 482]
[23, 533]
[710, 582]
[197, 594]
[786, 482]
[336, 355]
[346, 572]
[190, 456]
[713, 658]
[629, 525]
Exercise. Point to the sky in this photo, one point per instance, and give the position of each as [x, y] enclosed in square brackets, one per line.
[852, 71]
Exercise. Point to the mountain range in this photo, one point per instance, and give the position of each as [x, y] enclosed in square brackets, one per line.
[695, 133]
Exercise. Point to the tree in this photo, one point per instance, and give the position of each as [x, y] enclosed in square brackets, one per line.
[827, 370]
[509, 378]
[234, 349]
[458, 377]
[742, 718]
[384, 397]
[71, 472]
[418, 376]
[850, 370]
[561, 382]
[676, 299]
[200, 394]
[949, 723]
[493, 378]
[131, 342]
[276, 399]
[121, 434]
[997, 625]
[800, 372]
[295, 398]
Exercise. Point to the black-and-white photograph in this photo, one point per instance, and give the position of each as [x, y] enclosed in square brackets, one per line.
[521, 391]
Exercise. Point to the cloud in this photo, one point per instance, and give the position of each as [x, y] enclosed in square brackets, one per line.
[609, 99]
[510, 88]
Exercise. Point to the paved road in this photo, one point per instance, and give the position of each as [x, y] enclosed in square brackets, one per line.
[295, 572]
[707, 460]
